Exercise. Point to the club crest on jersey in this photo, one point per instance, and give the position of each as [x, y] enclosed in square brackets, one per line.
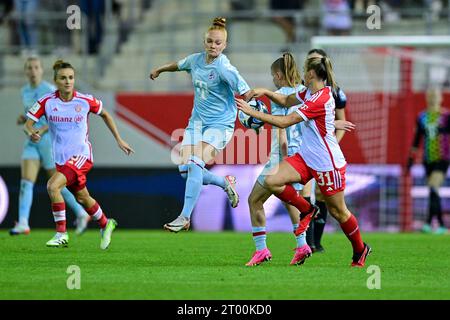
[211, 76]
[78, 119]
[78, 108]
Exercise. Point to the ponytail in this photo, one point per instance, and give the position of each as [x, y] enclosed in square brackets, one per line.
[288, 68]
[331, 79]
[324, 70]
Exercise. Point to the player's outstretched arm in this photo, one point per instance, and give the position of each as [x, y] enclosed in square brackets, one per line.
[344, 125]
[169, 67]
[340, 115]
[278, 98]
[111, 124]
[278, 121]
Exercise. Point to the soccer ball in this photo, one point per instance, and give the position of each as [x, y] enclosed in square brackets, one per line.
[250, 122]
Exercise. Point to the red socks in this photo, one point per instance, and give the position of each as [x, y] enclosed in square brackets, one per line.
[351, 230]
[59, 215]
[290, 195]
[97, 215]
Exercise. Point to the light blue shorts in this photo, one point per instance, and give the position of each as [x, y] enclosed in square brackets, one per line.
[41, 151]
[216, 135]
[268, 166]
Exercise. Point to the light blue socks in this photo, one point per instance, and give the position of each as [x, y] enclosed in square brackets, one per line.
[25, 200]
[301, 238]
[194, 184]
[208, 177]
[259, 236]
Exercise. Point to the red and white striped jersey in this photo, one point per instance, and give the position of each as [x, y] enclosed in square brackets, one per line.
[68, 124]
[319, 147]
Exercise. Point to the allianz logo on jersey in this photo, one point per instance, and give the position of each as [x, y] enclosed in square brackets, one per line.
[76, 119]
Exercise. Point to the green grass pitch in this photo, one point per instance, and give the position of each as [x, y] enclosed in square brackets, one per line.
[196, 265]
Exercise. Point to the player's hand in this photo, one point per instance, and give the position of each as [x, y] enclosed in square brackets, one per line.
[344, 125]
[125, 147]
[244, 106]
[154, 74]
[256, 93]
[21, 119]
[35, 136]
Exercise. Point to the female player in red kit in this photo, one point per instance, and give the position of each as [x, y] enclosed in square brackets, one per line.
[319, 156]
[67, 114]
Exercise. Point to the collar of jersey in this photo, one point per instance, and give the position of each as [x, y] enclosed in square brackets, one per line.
[59, 97]
[215, 59]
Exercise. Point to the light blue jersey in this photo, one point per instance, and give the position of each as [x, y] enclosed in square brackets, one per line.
[30, 95]
[42, 150]
[293, 135]
[215, 84]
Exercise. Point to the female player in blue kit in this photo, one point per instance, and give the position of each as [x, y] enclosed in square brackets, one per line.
[211, 124]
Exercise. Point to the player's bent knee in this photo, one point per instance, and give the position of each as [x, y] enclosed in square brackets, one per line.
[270, 182]
[53, 188]
[82, 199]
[252, 199]
[340, 214]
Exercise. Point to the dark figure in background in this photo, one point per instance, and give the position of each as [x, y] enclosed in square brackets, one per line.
[286, 23]
[94, 10]
[433, 125]
[27, 25]
[57, 26]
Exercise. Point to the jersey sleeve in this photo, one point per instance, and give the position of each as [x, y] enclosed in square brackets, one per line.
[301, 94]
[230, 75]
[95, 105]
[310, 110]
[276, 109]
[185, 64]
[340, 99]
[37, 110]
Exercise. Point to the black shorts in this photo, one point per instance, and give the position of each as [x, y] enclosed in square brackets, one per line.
[441, 165]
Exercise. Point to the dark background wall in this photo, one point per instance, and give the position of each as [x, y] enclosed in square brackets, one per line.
[137, 198]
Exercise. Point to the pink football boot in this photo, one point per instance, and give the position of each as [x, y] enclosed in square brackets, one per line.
[259, 257]
[301, 254]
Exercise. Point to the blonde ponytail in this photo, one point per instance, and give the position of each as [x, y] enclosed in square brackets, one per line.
[288, 67]
[323, 68]
[331, 79]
